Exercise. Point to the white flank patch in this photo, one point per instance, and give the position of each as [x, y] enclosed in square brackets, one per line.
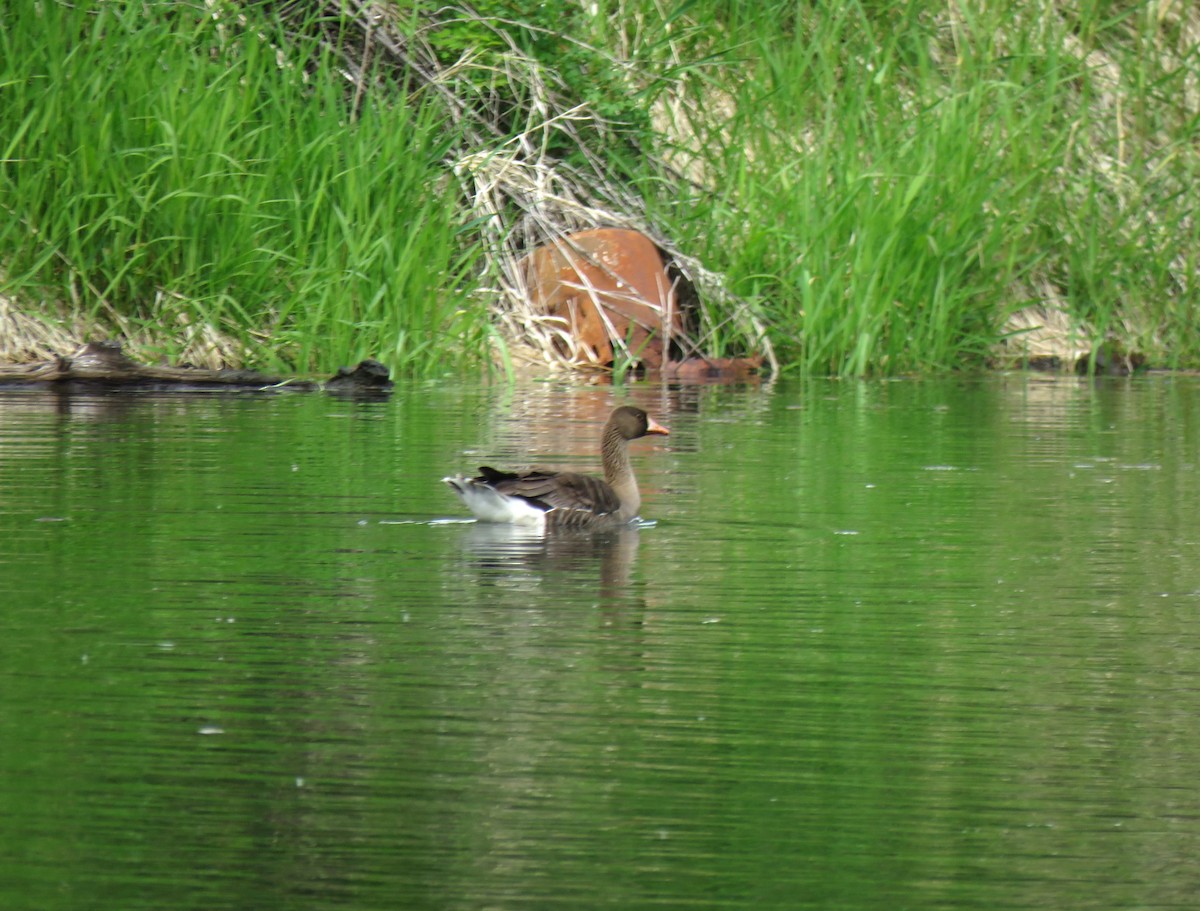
[489, 506]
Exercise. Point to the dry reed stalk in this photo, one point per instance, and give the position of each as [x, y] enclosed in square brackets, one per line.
[1043, 332]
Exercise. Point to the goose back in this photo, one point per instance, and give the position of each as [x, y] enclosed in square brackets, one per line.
[567, 497]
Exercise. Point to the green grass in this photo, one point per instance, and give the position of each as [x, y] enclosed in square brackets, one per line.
[894, 181]
[174, 169]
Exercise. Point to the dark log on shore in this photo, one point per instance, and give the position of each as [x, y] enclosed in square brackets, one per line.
[103, 364]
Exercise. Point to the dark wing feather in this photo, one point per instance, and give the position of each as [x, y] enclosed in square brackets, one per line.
[565, 490]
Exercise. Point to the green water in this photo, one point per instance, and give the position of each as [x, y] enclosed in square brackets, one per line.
[894, 645]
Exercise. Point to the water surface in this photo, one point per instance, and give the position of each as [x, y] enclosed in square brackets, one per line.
[879, 645]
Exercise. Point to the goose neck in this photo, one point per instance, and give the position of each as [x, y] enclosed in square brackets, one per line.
[618, 472]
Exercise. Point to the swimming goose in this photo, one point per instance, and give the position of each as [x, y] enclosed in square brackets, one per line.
[565, 499]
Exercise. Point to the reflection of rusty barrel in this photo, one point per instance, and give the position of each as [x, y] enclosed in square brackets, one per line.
[610, 286]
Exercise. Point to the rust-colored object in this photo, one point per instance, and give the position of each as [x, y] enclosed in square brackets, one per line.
[618, 296]
[610, 286]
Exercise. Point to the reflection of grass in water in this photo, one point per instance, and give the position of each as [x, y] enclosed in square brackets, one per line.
[880, 187]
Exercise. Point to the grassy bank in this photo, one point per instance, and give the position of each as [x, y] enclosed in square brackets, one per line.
[911, 186]
[208, 187]
[884, 186]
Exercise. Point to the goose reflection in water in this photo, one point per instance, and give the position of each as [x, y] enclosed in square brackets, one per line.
[523, 558]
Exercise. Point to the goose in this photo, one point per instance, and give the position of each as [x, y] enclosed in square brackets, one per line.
[565, 499]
